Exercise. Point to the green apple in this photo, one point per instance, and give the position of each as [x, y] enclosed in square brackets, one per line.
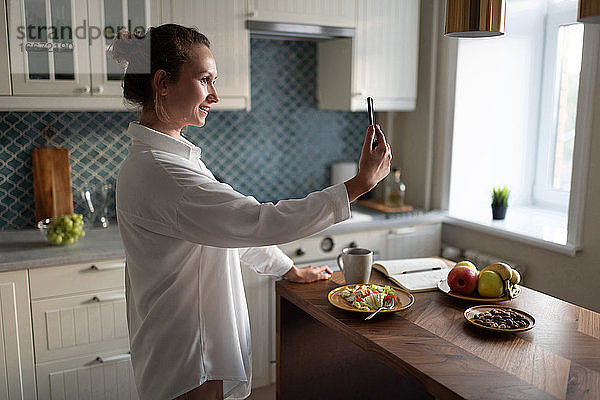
[490, 284]
[467, 264]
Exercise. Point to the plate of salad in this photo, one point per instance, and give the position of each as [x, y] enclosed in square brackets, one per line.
[367, 298]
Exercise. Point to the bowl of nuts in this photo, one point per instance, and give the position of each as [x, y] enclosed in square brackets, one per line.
[499, 318]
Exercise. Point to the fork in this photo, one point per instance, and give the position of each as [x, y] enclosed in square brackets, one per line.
[387, 304]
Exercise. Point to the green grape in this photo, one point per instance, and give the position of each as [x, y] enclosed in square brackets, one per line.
[65, 229]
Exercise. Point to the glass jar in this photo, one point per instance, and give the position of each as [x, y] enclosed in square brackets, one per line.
[394, 190]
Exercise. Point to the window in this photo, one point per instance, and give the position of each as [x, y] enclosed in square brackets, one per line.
[558, 110]
[514, 117]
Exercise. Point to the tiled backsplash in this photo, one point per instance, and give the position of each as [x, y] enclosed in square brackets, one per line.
[281, 149]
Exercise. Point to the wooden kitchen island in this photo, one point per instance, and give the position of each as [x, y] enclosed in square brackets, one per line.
[430, 351]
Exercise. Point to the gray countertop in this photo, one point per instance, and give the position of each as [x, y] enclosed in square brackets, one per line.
[21, 249]
[26, 248]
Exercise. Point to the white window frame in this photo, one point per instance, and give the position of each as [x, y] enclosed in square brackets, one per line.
[446, 87]
[543, 193]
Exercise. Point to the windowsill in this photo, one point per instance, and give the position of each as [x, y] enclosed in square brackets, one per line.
[535, 226]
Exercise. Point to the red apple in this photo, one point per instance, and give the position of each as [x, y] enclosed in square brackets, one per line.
[462, 279]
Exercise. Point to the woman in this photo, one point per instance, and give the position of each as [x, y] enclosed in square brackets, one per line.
[185, 234]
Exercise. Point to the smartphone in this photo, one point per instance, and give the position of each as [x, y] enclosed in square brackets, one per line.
[371, 118]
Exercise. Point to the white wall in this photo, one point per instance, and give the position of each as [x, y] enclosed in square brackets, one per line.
[574, 279]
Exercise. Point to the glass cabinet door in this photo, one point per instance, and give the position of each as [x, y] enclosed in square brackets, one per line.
[112, 16]
[48, 47]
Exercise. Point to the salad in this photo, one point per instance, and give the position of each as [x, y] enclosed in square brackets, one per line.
[367, 296]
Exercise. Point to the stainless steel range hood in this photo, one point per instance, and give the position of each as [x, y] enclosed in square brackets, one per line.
[274, 30]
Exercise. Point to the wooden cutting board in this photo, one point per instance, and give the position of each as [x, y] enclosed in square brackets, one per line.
[380, 206]
[51, 182]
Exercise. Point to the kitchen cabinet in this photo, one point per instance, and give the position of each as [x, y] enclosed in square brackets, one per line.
[340, 13]
[223, 22]
[4, 59]
[414, 241]
[381, 61]
[87, 378]
[81, 343]
[259, 290]
[17, 377]
[59, 56]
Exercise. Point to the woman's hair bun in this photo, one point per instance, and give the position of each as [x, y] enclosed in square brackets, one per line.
[128, 48]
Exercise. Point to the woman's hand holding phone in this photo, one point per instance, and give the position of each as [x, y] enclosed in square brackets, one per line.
[374, 164]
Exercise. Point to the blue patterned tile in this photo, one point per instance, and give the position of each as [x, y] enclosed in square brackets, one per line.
[281, 149]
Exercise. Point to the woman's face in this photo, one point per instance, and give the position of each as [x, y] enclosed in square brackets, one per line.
[189, 99]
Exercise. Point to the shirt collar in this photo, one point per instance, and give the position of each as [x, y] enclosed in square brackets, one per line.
[161, 141]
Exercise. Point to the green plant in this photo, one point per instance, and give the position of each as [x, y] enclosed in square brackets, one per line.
[500, 196]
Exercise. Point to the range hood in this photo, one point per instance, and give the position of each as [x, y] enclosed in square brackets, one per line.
[275, 30]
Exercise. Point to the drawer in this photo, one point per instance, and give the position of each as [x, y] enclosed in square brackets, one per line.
[77, 278]
[82, 324]
[88, 378]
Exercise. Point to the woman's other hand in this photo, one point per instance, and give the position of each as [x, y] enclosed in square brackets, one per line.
[308, 274]
[374, 164]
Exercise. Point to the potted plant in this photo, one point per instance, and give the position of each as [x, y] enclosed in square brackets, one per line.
[500, 201]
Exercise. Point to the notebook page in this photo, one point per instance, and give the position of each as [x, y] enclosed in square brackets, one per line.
[395, 267]
[420, 281]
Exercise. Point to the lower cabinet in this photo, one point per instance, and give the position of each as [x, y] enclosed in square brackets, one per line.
[258, 290]
[17, 377]
[106, 376]
[414, 241]
[79, 319]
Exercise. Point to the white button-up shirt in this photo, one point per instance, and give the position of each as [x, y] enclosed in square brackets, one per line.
[185, 236]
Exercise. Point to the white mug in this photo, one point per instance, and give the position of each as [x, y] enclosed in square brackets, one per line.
[355, 263]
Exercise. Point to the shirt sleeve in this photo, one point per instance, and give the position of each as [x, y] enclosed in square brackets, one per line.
[213, 214]
[269, 260]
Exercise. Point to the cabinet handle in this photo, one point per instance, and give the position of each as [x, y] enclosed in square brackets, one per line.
[360, 93]
[403, 231]
[98, 90]
[253, 14]
[110, 297]
[83, 90]
[108, 267]
[120, 357]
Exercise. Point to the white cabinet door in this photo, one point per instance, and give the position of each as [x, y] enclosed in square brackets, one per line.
[4, 59]
[134, 16]
[387, 54]
[60, 47]
[223, 22]
[258, 297]
[381, 61]
[340, 13]
[17, 379]
[49, 50]
[414, 241]
[74, 325]
[88, 377]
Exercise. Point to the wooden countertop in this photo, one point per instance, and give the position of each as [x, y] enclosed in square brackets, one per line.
[435, 348]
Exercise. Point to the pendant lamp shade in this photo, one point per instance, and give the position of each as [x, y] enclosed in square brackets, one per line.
[589, 11]
[475, 18]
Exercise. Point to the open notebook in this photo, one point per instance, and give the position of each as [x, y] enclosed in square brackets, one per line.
[414, 274]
